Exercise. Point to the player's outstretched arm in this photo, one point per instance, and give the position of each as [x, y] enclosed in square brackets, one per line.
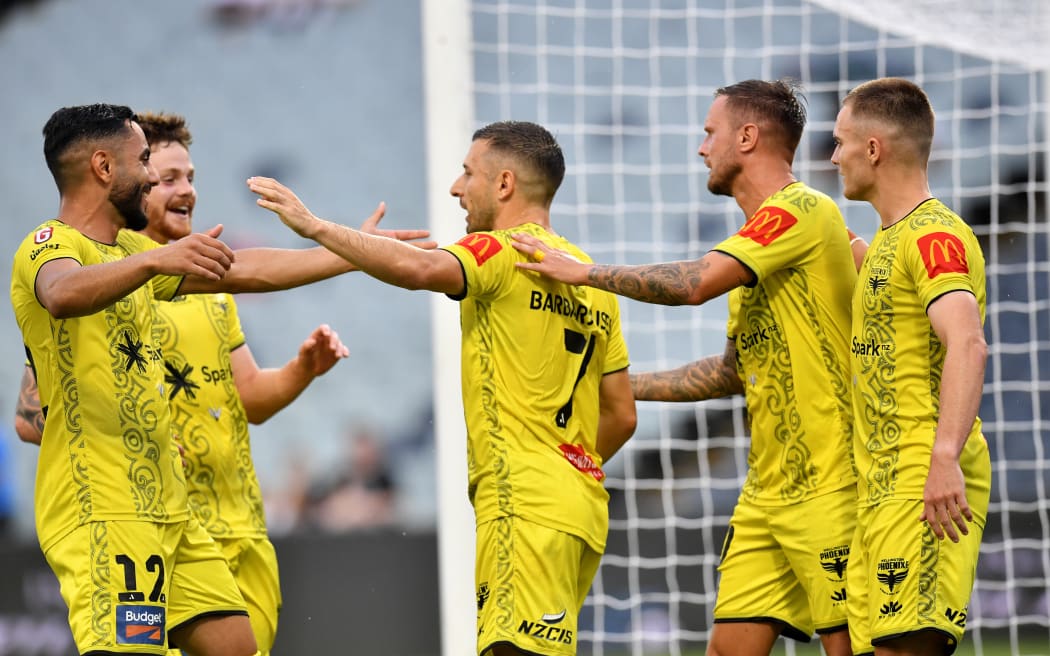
[956, 319]
[392, 261]
[618, 416]
[273, 269]
[67, 289]
[265, 392]
[686, 282]
[29, 417]
[713, 377]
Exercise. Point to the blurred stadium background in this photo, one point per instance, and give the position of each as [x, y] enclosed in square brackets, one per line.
[337, 99]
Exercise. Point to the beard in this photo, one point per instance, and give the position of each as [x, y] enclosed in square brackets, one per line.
[128, 201]
[720, 183]
[481, 220]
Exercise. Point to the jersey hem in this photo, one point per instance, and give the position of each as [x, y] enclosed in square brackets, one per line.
[780, 503]
[53, 538]
[597, 545]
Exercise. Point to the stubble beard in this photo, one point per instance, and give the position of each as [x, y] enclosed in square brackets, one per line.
[128, 202]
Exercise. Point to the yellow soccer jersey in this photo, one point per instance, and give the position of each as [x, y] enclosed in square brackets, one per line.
[791, 333]
[197, 334]
[533, 354]
[106, 452]
[897, 357]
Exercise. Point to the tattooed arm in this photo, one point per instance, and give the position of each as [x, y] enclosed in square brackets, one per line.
[712, 377]
[29, 419]
[686, 282]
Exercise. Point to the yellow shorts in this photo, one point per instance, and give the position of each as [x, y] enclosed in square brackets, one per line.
[129, 583]
[788, 564]
[531, 584]
[253, 562]
[903, 579]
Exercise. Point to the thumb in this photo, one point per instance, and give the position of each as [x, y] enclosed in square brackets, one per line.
[214, 231]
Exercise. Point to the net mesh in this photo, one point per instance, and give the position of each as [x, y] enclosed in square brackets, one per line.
[625, 86]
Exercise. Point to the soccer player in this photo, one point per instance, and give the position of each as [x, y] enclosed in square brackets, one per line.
[135, 567]
[215, 388]
[545, 385]
[789, 273]
[918, 373]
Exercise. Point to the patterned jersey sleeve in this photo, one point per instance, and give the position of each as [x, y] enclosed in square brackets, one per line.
[616, 357]
[770, 240]
[487, 261]
[941, 259]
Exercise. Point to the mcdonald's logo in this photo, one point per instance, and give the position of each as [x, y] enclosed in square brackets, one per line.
[482, 246]
[767, 224]
[942, 252]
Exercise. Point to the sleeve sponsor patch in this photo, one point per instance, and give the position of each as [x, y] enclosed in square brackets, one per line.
[42, 235]
[942, 252]
[481, 246]
[768, 223]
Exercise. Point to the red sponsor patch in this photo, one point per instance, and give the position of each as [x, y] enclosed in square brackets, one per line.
[579, 459]
[42, 235]
[942, 252]
[481, 246]
[767, 224]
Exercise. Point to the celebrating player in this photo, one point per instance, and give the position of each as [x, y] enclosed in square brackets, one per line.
[136, 568]
[789, 272]
[545, 385]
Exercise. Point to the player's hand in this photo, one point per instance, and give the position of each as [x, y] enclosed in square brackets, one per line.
[944, 499]
[321, 350]
[548, 261]
[199, 254]
[280, 200]
[371, 226]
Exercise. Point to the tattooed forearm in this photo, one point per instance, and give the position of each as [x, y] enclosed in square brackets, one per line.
[672, 283]
[28, 407]
[709, 378]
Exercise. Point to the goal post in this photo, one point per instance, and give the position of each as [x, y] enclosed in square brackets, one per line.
[624, 85]
[449, 121]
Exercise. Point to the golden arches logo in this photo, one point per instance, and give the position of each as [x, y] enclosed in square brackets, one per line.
[768, 223]
[482, 246]
[942, 252]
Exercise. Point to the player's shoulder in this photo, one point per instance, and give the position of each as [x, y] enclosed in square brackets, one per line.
[135, 242]
[932, 215]
[49, 237]
[48, 231]
[800, 196]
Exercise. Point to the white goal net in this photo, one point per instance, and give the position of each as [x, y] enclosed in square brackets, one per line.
[625, 85]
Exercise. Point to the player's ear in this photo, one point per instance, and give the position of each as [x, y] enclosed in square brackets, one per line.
[874, 150]
[507, 182]
[102, 165]
[747, 137]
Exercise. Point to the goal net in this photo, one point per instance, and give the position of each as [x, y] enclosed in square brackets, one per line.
[625, 85]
